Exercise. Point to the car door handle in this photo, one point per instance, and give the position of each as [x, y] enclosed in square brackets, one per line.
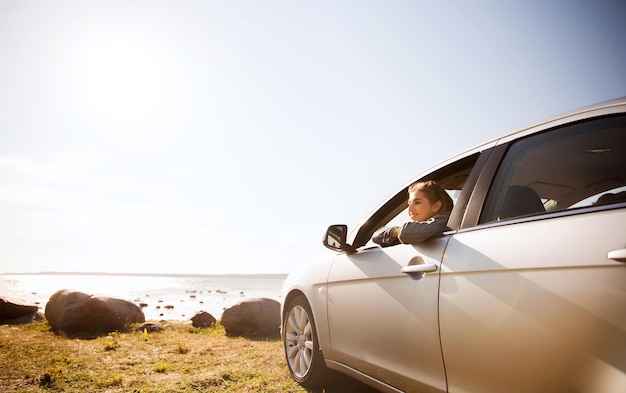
[617, 255]
[421, 268]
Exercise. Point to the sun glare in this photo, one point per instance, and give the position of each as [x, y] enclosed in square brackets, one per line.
[127, 92]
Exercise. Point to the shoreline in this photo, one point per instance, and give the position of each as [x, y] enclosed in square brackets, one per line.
[172, 308]
[160, 297]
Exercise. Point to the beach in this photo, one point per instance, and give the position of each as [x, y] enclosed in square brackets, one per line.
[161, 297]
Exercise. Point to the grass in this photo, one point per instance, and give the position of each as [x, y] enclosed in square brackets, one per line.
[178, 359]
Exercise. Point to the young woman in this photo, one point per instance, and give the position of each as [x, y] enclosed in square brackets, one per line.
[429, 210]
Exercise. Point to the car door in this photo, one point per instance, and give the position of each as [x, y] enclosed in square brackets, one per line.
[385, 323]
[535, 301]
[383, 302]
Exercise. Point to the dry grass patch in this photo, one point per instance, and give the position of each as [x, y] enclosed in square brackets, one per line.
[178, 359]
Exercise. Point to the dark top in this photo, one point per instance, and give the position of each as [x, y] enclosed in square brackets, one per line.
[413, 232]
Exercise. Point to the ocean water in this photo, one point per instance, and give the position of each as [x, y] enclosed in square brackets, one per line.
[164, 297]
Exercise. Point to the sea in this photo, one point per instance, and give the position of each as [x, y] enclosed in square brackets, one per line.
[161, 297]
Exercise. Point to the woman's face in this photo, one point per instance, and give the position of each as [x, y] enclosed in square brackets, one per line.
[420, 208]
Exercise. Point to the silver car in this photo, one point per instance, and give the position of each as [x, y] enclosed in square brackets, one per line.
[526, 293]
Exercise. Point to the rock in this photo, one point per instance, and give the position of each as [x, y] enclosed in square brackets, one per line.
[12, 309]
[28, 318]
[259, 317]
[203, 320]
[78, 313]
[149, 327]
[18, 312]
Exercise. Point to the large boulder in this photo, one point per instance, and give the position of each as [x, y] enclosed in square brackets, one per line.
[259, 317]
[78, 313]
[203, 320]
[16, 311]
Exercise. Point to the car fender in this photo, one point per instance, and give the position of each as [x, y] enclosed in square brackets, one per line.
[315, 275]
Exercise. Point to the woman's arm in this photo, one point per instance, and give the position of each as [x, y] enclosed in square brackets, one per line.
[386, 236]
[417, 232]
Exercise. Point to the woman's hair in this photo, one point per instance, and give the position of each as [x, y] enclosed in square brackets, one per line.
[434, 192]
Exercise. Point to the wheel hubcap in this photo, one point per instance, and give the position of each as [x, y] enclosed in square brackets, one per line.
[299, 341]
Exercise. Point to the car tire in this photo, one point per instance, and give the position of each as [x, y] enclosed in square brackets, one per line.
[304, 357]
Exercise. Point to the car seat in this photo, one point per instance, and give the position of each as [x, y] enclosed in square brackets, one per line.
[520, 201]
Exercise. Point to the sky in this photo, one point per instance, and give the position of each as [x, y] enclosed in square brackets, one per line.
[216, 137]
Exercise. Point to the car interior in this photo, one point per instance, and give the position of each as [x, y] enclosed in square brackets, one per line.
[559, 170]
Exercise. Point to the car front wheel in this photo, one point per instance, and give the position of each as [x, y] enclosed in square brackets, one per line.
[302, 350]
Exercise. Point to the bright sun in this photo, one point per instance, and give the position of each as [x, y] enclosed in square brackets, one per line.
[128, 93]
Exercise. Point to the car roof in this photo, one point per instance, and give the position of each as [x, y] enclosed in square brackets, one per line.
[604, 108]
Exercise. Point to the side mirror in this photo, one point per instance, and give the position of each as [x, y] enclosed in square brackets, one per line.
[336, 237]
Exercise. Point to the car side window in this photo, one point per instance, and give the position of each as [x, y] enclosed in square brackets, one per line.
[452, 178]
[564, 168]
